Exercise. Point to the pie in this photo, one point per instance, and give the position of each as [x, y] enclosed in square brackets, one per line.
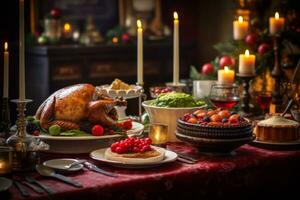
[277, 129]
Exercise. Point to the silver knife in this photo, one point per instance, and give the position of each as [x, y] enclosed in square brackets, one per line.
[33, 187]
[94, 168]
[45, 187]
[21, 189]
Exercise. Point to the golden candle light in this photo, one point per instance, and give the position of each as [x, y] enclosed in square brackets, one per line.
[247, 63]
[240, 28]
[139, 52]
[276, 24]
[67, 27]
[158, 134]
[67, 30]
[115, 40]
[5, 160]
[226, 76]
[176, 49]
[6, 71]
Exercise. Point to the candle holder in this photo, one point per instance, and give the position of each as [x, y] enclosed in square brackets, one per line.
[24, 146]
[142, 97]
[5, 160]
[158, 134]
[246, 78]
[179, 87]
[5, 117]
[276, 72]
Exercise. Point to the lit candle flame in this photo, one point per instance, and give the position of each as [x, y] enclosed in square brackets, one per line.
[240, 19]
[175, 15]
[276, 15]
[5, 46]
[67, 27]
[226, 69]
[157, 136]
[247, 53]
[139, 23]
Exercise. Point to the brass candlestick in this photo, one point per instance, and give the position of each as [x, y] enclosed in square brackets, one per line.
[24, 146]
[5, 117]
[276, 73]
[142, 97]
[246, 96]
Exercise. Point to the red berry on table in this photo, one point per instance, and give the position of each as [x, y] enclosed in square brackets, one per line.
[136, 149]
[119, 150]
[251, 39]
[263, 48]
[226, 61]
[148, 141]
[207, 69]
[97, 130]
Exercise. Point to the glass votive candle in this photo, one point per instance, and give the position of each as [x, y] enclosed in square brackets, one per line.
[158, 134]
[5, 160]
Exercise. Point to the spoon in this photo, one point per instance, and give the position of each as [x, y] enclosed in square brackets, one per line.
[74, 164]
[287, 107]
[46, 171]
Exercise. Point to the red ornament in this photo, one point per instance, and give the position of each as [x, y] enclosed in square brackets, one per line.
[125, 37]
[251, 39]
[263, 48]
[55, 12]
[226, 61]
[207, 69]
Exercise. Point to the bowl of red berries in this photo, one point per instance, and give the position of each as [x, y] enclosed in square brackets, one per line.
[155, 91]
[214, 131]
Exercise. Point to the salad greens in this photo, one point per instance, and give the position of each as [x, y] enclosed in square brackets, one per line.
[176, 100]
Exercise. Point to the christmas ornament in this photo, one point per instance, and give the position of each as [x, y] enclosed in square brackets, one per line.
[263, 48]
[207, 69]
[251, 39]
[226, 61]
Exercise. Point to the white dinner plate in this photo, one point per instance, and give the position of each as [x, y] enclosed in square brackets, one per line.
[170, 156]
[85, 144]
[60, 164]
[5, 184]
[137, 128]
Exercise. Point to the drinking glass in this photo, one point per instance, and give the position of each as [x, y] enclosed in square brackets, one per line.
[263, 99]
[224, 95]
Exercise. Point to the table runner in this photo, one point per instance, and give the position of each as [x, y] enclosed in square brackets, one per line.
[249, 173]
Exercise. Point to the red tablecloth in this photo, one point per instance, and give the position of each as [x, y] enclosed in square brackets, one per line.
[250, 173]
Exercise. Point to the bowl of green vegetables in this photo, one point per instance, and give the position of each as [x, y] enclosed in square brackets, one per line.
[168, 107]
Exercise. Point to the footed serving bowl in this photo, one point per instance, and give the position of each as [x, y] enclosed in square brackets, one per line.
[215, 139]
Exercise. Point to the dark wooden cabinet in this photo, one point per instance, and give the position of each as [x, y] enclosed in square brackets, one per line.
[50, 68]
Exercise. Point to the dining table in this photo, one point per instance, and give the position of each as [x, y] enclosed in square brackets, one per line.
[247, 173]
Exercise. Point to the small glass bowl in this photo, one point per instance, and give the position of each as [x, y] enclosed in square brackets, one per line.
[156, 91]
